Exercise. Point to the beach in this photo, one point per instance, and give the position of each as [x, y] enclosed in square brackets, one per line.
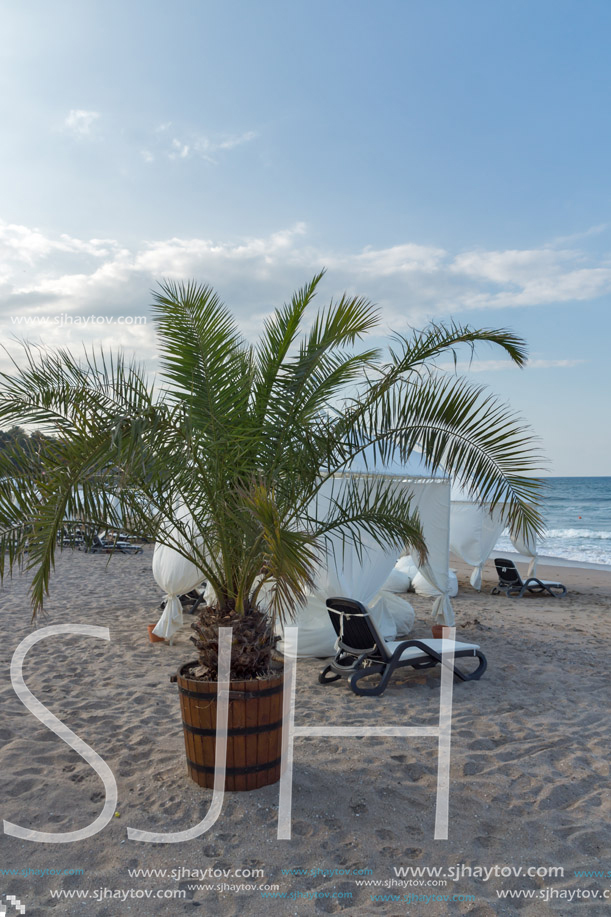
[529, 782]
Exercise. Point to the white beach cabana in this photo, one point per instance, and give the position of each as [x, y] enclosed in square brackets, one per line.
[460, 525]
[475, 529]
[345, 573]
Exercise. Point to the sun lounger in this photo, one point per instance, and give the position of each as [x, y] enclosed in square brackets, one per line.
[362, 651]
[512, 584]
[70, 538]
[107, 547]
[192, 600]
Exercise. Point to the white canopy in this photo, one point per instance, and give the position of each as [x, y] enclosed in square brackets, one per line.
[345, 573]
[475, 529]
[469, 529]
[431, 494]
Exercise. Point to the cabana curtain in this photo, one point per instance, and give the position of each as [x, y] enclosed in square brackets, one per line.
[176, 575]
[343, 572]
[474, 531]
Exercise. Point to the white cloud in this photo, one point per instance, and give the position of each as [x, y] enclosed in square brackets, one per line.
[42, 274]
[514, 267]
[554, 364]
[20, 244]
[80, 122]
[179, 150]
[577, 236]
[530, 277]
[207, 145]
[203, 146]
[397, 260]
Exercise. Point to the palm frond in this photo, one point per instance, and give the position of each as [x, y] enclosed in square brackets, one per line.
[461, 428]
[364, 508]
[439, 338]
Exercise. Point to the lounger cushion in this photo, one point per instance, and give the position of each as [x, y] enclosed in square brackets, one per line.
[439, 646]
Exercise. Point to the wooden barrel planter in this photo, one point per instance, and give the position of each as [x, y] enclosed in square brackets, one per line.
[254, 730]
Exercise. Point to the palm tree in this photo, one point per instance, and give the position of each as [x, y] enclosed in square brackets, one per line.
[224, 459]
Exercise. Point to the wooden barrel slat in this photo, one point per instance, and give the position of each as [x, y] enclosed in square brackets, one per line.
[205, 718]
[255, 711]
[187, 716]
[200, 714]
[238, 720]
[251, 719]
[263, 737]
[275, 742]
[231, 763]
[194, 715]
[269, 739]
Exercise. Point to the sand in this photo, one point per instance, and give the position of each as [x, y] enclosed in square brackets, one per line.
[529, 767]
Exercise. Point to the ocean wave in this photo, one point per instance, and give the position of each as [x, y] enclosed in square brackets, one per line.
[577, 513]
[577, 533]
[571, 548]
[587, 555]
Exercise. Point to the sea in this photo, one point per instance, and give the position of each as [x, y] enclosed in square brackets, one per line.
[577, 514]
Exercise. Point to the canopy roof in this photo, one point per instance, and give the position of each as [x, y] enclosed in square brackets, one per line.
[416, 467]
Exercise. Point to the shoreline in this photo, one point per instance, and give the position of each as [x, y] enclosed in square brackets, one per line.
[547, 560]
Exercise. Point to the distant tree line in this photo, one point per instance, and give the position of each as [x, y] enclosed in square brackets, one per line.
[15, 439]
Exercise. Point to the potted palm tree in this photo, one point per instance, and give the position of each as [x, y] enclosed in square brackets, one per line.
[223, 461]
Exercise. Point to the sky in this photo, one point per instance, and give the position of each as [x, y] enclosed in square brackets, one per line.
[447, 159]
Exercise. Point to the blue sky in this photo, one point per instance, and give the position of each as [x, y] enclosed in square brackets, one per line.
[441, 158]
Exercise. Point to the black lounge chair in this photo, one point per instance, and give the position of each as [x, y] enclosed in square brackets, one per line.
[512, 584]
[70, 538]
[107, 547]
[362, 651]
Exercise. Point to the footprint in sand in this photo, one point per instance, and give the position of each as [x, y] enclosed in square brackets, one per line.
[488, 841]
[302, 829]
[483, 745]
[211, 850]
[78, 778]
[412, 853]
[23, 786]
[473, 767]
